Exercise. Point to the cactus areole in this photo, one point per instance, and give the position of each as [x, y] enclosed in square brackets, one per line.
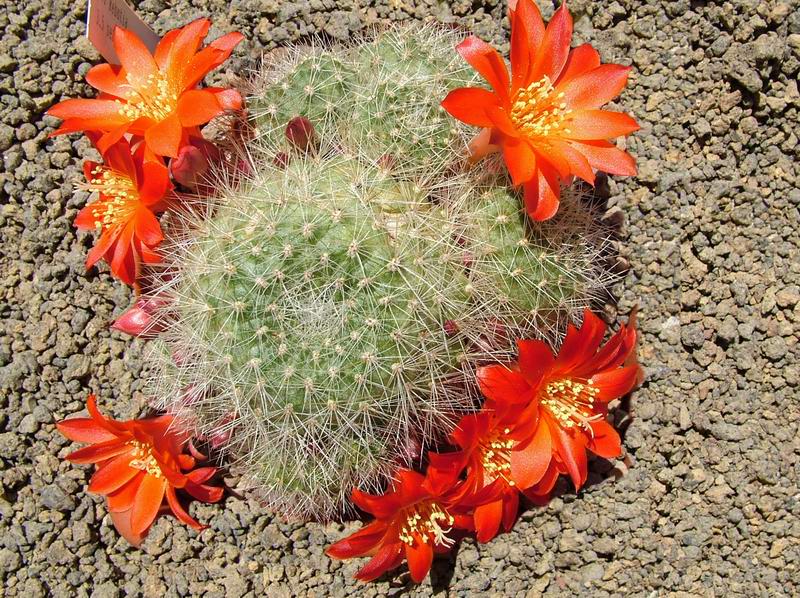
[322, 310]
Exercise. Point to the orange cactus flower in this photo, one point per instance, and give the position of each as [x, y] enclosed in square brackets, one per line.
[131, 190]
[545, 115]
[139, 464]
[493, 452]
[412, 521]
[155, 96]
[565, 399]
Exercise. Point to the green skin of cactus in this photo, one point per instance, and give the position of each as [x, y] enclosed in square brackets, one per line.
[320, 298]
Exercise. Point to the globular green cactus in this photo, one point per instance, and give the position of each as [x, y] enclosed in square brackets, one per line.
[327, 311]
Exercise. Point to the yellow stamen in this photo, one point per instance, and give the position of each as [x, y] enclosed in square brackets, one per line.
[496, 456]
[152, 98]
[424, 523]
[571, 402]
[143, 458]
[118, 197]
[537, 110]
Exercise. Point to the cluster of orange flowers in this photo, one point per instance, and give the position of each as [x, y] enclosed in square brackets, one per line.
[541, 415]
[148, 113]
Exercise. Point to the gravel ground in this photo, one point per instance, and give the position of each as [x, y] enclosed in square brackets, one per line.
[706, 502]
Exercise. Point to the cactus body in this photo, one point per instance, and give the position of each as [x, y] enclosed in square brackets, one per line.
[329, 308]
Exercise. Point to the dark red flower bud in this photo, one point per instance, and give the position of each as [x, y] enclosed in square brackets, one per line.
[191, 165]
[450, 327]
[140, 320]
[300, 132]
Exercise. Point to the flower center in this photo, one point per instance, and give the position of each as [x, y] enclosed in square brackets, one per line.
[152, 98]
[143, 460]
[424, 522]
[572, 403]
[496, 456]
[537, 110]
[118, 197]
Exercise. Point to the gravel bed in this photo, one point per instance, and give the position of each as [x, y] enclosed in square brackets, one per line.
[706, 500]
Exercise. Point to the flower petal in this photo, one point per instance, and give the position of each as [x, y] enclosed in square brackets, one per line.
[598, 124]
[382, 507]
[576, 163]
[420, 558]
[124, 261]
[102, 247]
[386, 559]
[520, 160]
[84, 429]
[183, 49]
[538, 493]
[179, 512]
[112, 475]
[112, 137]
[197, 107]
[122, 521]
[98, 114]
[134, 56]
[122, 499]
[229, 99]
[358, 543]
[580, 60]
[481, 146]
[108, 79]
[210, 58]
[204, 493]
[529, 463]
[614, 384]
[554, 50]
[501, 121]
[502, 385]
[147, 503]
[596, 87]
[571, 450]
[164, 47]
[116, 428]
[535, 359]
[611, 355]
[542, 193]
[98, 452]
[605, 156]
[488, 62]
[510, 510]
[164, 137]
[487, 520]
[527, 31]
[155, 183]
[148, 228]
[469, 105]
[605, 441]
[580, 344]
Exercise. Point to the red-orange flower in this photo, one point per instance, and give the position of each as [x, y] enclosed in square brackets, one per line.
[155, 96]
[139, 463]
[545, 116]
[489, 443]
[131, 189]
[412, 521]
[565, 398]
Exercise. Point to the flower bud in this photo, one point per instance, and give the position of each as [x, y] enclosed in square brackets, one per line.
[300, 132]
